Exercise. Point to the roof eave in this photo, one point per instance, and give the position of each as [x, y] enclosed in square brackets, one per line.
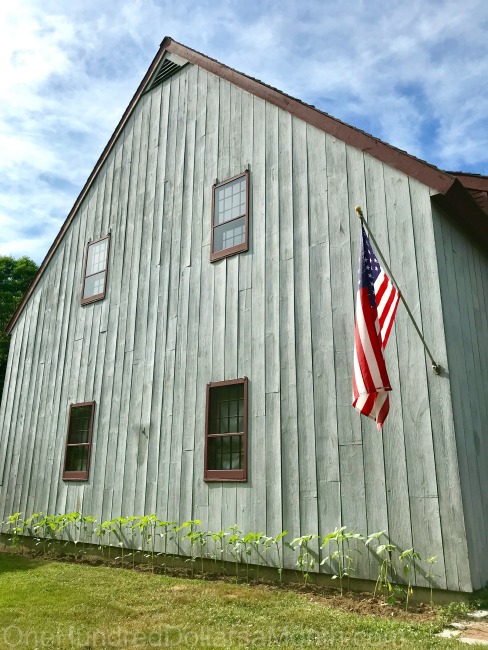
[401, 160]
[460, 205]
[429, 175]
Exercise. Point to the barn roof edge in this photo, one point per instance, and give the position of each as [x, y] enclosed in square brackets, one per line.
[446, 184]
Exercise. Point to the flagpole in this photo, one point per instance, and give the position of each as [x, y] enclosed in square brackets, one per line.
[435, 366]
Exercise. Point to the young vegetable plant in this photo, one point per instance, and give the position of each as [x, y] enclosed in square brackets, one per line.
[235, 544]
[246, 545]
[408, 559]
[30, 524]
[197, 538]
[218, 540]
[16, 525]
[49, 526]
[386, 569]
[165, 526]
[260, 545]
[430, 575]
[337, 537]
[131, 524]
[277, 543]
[305, 560]
[118, 523]
[343, 553]
[108, 527]
[176, 534]
[86, 522]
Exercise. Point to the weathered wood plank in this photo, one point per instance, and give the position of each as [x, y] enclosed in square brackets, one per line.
[173, 202]
[192, 386]
[274, 517]
[147, 300]
[326, 443]
[114, 481]
[288, 379]
[15, 431]
[453, 561]
[396, 480]
[244, 357]
[208, 97]
[31, 421]
[179, 398]
[478, 335]
[47, 473]
[349, 426]
[102, 392]
[137, 435]
[155, 358]
[466, 415]
[370, 460]
[118, 294]
[411, 357]
[257, 406]
[303, 337]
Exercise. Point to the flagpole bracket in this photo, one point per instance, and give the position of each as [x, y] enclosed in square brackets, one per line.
[436, 368]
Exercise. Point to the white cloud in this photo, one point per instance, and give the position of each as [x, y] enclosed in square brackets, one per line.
[411, 73]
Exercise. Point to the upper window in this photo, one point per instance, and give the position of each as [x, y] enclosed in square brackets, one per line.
[226, 431]
[78, 442]
[230, 218]
[95, 275]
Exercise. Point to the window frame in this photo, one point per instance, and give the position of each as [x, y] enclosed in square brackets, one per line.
[76, 475]
[98, 296]
[240, 248]
[226, 475]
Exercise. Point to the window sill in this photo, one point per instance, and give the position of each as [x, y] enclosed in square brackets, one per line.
[228, 252]
[76, 476]
[88, 301]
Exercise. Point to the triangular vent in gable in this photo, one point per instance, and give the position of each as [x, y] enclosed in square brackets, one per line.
[166, 69]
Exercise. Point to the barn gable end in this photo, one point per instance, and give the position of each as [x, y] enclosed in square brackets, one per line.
[280, 314]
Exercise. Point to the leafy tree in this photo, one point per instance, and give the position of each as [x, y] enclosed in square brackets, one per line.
[15, 278]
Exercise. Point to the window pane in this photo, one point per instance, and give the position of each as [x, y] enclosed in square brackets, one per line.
[77, 459]
[79, 424]
[97, 257]
[94, 285]
[226, 416]
[233, 407]
[230, 201]
[229, 235]
[225, 453]
[214, 453]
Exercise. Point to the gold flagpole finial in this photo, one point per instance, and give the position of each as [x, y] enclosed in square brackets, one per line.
[359, 210]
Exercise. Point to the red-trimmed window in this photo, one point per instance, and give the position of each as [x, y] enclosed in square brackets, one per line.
[226, 431]
[230, 217]
[78, 442]
[95, 272]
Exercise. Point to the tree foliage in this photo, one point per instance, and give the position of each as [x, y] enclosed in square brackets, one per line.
[15, 277]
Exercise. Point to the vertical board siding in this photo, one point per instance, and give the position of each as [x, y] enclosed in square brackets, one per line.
[281, 314]
[288, 388]
[463, 277]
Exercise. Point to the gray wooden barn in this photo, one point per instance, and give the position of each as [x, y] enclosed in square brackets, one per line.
[186, 346]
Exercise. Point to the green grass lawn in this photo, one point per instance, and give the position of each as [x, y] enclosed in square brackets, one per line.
[48, 604]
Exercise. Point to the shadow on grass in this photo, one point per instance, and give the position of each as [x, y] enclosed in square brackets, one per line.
[14, 562]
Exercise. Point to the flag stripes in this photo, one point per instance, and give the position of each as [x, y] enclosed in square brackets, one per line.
[376, 305]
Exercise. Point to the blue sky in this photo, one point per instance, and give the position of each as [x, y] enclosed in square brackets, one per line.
[414, 74]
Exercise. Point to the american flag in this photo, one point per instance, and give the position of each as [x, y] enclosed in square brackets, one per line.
[376, 305]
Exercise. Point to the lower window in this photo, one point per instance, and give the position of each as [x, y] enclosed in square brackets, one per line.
[226, 431]
[78, 442]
